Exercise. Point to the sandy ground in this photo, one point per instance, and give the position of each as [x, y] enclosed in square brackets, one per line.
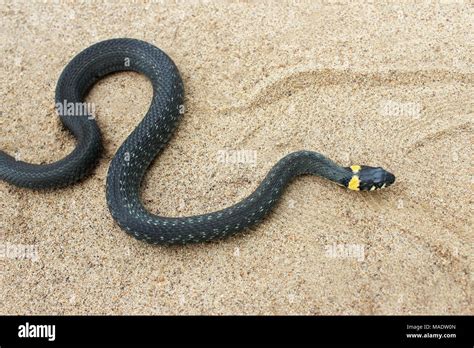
[388, 85]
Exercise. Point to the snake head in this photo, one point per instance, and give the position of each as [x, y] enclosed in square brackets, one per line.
[365, 178]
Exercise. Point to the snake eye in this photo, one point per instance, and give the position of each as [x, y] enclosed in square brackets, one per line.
[389, 179]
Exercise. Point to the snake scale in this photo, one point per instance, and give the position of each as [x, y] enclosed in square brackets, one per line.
[134, 156]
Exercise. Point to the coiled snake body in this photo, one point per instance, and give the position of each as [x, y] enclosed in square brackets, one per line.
[147, 140]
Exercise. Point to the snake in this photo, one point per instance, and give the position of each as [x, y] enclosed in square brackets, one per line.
[147, 140]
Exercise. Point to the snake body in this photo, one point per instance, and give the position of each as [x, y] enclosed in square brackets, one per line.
[132, 159]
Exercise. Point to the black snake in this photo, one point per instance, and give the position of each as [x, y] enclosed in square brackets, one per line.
[148, 139]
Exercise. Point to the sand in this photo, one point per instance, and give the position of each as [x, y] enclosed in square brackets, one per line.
[378, 84]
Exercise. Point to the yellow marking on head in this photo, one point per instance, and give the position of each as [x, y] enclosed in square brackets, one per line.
[354, 183]
[355, 168]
